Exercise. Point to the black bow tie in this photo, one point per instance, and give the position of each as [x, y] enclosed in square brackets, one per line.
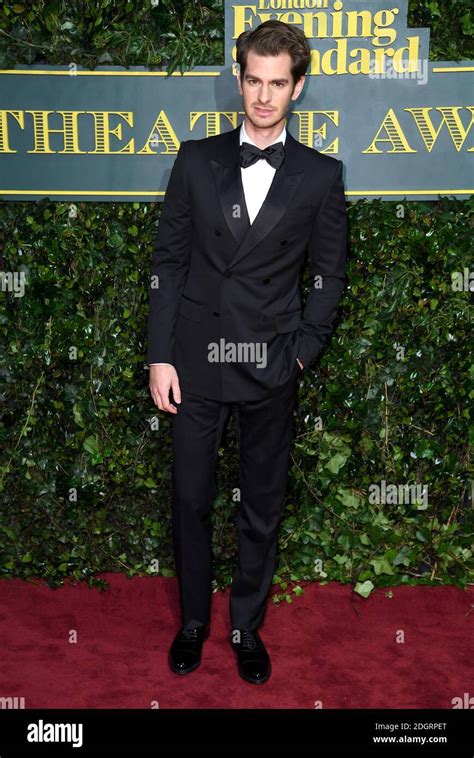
[273, 154]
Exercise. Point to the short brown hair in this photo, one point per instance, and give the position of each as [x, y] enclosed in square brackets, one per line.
[273, 38]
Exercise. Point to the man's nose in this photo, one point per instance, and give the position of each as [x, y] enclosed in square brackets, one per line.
[264, 94]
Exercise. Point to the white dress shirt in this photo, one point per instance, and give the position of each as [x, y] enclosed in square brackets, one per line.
[257, 178]
[256, 181]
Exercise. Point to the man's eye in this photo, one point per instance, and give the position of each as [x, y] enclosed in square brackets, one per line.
[275, 84]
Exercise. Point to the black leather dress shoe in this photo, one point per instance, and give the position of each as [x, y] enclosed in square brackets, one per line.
[253, 661]
[185, 651]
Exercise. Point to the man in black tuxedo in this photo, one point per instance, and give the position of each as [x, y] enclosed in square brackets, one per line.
[227, 329]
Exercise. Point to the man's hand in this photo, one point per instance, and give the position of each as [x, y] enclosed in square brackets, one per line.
[300, 364]
[162, 379]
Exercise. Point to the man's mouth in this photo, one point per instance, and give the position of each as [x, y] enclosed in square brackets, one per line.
[263, 111]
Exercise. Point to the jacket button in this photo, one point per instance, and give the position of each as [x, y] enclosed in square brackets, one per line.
[265, 281]
[284, 242]
[215, 313]
[227, 274]
[218, 232]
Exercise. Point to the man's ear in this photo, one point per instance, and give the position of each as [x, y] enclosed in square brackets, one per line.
[239, 82]
[297, 88]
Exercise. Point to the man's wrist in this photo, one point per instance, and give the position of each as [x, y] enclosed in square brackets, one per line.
[300, 364]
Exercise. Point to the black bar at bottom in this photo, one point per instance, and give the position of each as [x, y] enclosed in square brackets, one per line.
[321, 732]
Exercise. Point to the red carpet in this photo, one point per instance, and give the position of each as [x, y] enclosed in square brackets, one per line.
[324, 647]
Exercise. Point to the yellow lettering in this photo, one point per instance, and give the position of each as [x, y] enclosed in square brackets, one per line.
[19, 116]
[395, 136]
[102, 132]
[42, 132]
[307, 131]
[450, 117]
[213, 120]
[413, 58]
[162, 133]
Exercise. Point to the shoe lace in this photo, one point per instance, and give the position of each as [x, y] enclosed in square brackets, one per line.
[248, 640]
[190, 634]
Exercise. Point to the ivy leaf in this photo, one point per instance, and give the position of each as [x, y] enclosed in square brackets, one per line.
[381, 566]
[335, 464]
[78, 416]
[364, 588]
[91, 445]
[348, 498]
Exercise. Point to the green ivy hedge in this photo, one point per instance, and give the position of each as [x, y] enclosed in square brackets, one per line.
[85, 455]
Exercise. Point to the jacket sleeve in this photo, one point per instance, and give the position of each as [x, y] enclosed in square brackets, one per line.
[170, 262]
[327, 254]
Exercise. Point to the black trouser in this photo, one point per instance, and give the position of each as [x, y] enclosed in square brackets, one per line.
[265, 430]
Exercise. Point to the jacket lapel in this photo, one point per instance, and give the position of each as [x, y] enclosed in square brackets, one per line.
[286, 180]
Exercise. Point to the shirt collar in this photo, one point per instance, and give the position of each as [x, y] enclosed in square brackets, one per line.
[245, 138]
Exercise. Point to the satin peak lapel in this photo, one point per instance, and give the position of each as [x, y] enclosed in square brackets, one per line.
[231, 194]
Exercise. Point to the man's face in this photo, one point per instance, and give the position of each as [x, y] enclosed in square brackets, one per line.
[267, 88]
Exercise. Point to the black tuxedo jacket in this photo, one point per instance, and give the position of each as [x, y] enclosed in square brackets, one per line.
[224, 293]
